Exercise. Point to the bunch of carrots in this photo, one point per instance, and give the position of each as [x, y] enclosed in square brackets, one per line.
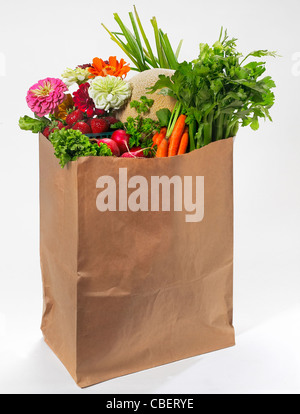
[174, 144]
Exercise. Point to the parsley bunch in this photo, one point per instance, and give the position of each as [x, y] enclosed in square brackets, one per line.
[219, 93]
[71, 144]
[140, 128]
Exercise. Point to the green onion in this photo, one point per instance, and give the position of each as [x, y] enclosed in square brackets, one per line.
[140, 54]
[151, 56]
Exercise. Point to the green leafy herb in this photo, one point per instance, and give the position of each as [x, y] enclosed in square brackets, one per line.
[71, 144]
[37, 125]
[143, 106]
[219, 93]
[117, 125]
[140, 128]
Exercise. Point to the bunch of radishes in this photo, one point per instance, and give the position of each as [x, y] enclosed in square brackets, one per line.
[119, 145]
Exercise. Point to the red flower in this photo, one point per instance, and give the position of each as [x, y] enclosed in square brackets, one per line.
[85, 66]
[83, 101]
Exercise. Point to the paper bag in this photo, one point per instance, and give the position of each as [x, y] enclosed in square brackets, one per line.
[136, 259]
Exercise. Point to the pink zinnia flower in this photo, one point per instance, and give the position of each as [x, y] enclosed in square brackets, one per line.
[45, 96]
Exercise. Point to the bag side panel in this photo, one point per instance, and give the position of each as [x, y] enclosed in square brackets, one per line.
[58, 252]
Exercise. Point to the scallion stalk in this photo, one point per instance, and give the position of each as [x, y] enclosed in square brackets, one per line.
[141, 55]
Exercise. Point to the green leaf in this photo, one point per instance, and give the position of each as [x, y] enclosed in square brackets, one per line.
[163, 82]
[268, 82]
[178, 49]
[164, 116]
[255, 124]
[261, 53]
[27, 123]
[143, 106]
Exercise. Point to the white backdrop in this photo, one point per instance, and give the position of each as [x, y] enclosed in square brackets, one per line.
[39, 40]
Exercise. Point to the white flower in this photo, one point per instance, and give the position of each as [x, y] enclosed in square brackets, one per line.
[109, 92]
[78, 75]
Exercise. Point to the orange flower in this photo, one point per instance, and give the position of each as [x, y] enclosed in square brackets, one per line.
[111, 67]
[62, 110]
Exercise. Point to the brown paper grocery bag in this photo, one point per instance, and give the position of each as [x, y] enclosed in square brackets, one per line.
[138, 285]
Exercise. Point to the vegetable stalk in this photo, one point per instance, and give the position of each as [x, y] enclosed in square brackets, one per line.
[142, 55]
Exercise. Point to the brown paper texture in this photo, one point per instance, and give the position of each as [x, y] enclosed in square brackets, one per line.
[125, 291]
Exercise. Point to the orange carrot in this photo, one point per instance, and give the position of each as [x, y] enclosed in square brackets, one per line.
[161, 136]
[154, 139]
[158, 137]
[162, 150]
[184, 141]
[174, 140]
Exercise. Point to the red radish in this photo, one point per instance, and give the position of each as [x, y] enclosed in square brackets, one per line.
[111, 144]
[121, 138]
[128, 155]
[135, 152]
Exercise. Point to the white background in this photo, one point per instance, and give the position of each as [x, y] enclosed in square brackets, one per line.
[39, 39]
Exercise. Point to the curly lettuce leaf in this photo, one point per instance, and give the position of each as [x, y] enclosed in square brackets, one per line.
[71, 144]
[37, 125]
